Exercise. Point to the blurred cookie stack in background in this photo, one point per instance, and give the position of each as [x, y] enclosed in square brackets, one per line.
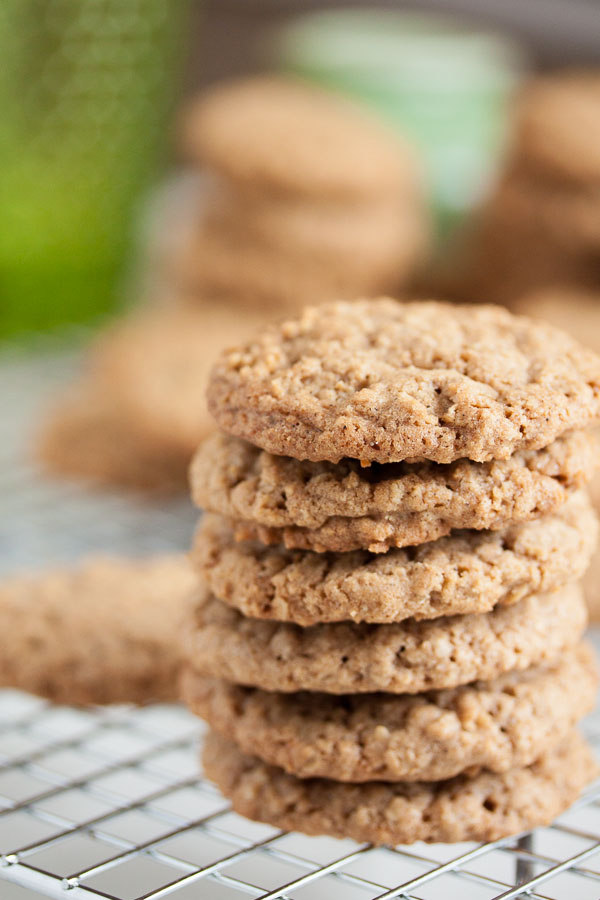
[302, 194]
[306, 195]
[387, 637]
[541, 225]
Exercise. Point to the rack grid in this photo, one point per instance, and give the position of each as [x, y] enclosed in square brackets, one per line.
[110, 803]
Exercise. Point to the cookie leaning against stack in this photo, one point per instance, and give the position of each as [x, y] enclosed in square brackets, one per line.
[387, 643]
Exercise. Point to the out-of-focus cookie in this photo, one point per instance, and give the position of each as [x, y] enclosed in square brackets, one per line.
[493, 265]
[86, 435]
[405, 657]
[157, 363]
[280, 136]
[562, 216]
[484, 808]
[251, 274]
[497, 725]
[382, 381]
[345, 506]
[368, 244]
[557, 129]
[576, 310]
[106, 631]
[466, 572]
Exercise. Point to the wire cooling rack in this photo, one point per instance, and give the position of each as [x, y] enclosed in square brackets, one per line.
[110, 802]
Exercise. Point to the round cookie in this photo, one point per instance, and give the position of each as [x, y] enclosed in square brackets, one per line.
[87, 436]
[484, 808]
[345, 506]
[281, 136]
[406, 657]
[558, 126]
[383, 381]
[467, 572]
[498, 725]
[377, 241]
[564, 217]
[494, 266]
[267, 277]
[107, 631]
[572, 308]
[157, 362]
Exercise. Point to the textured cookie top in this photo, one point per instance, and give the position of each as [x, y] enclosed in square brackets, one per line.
[280, 135]
[483, 808]
[558, 126]
[346, 506]
[467, 572]
[405, 657]
[383, 381]
[497, 725]
[107, 631]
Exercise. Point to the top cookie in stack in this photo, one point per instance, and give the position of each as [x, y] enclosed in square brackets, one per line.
[305, 192]
[404, 484]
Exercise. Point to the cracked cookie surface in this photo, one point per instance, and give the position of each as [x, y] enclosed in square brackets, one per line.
[325, 506]
[497, 725]
[384, 381]
[405, 657]
[483, 808]
[466, 572]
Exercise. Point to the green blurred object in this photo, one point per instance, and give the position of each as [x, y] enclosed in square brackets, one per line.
[85, 88]
[437, 80]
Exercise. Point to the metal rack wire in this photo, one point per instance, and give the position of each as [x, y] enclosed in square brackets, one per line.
[110, 803]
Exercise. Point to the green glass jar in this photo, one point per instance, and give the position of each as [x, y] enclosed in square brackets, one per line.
[85, 87]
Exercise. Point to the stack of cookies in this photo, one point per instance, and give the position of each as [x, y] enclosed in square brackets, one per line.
[578, 312]
[542, 225]
[303, 194]
[387, 642]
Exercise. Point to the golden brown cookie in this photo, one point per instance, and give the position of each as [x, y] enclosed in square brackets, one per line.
[248, 274]
[107, 631]
[565, 217]
[281, 136]
[495, 266]
[383, 381]
[574, 309]
[157, 362]
[484, 808]
[557, 129]
[498, 725]
[466, 572]
[405, 657]
[345, 506]
[87, 436]
[373, 239]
